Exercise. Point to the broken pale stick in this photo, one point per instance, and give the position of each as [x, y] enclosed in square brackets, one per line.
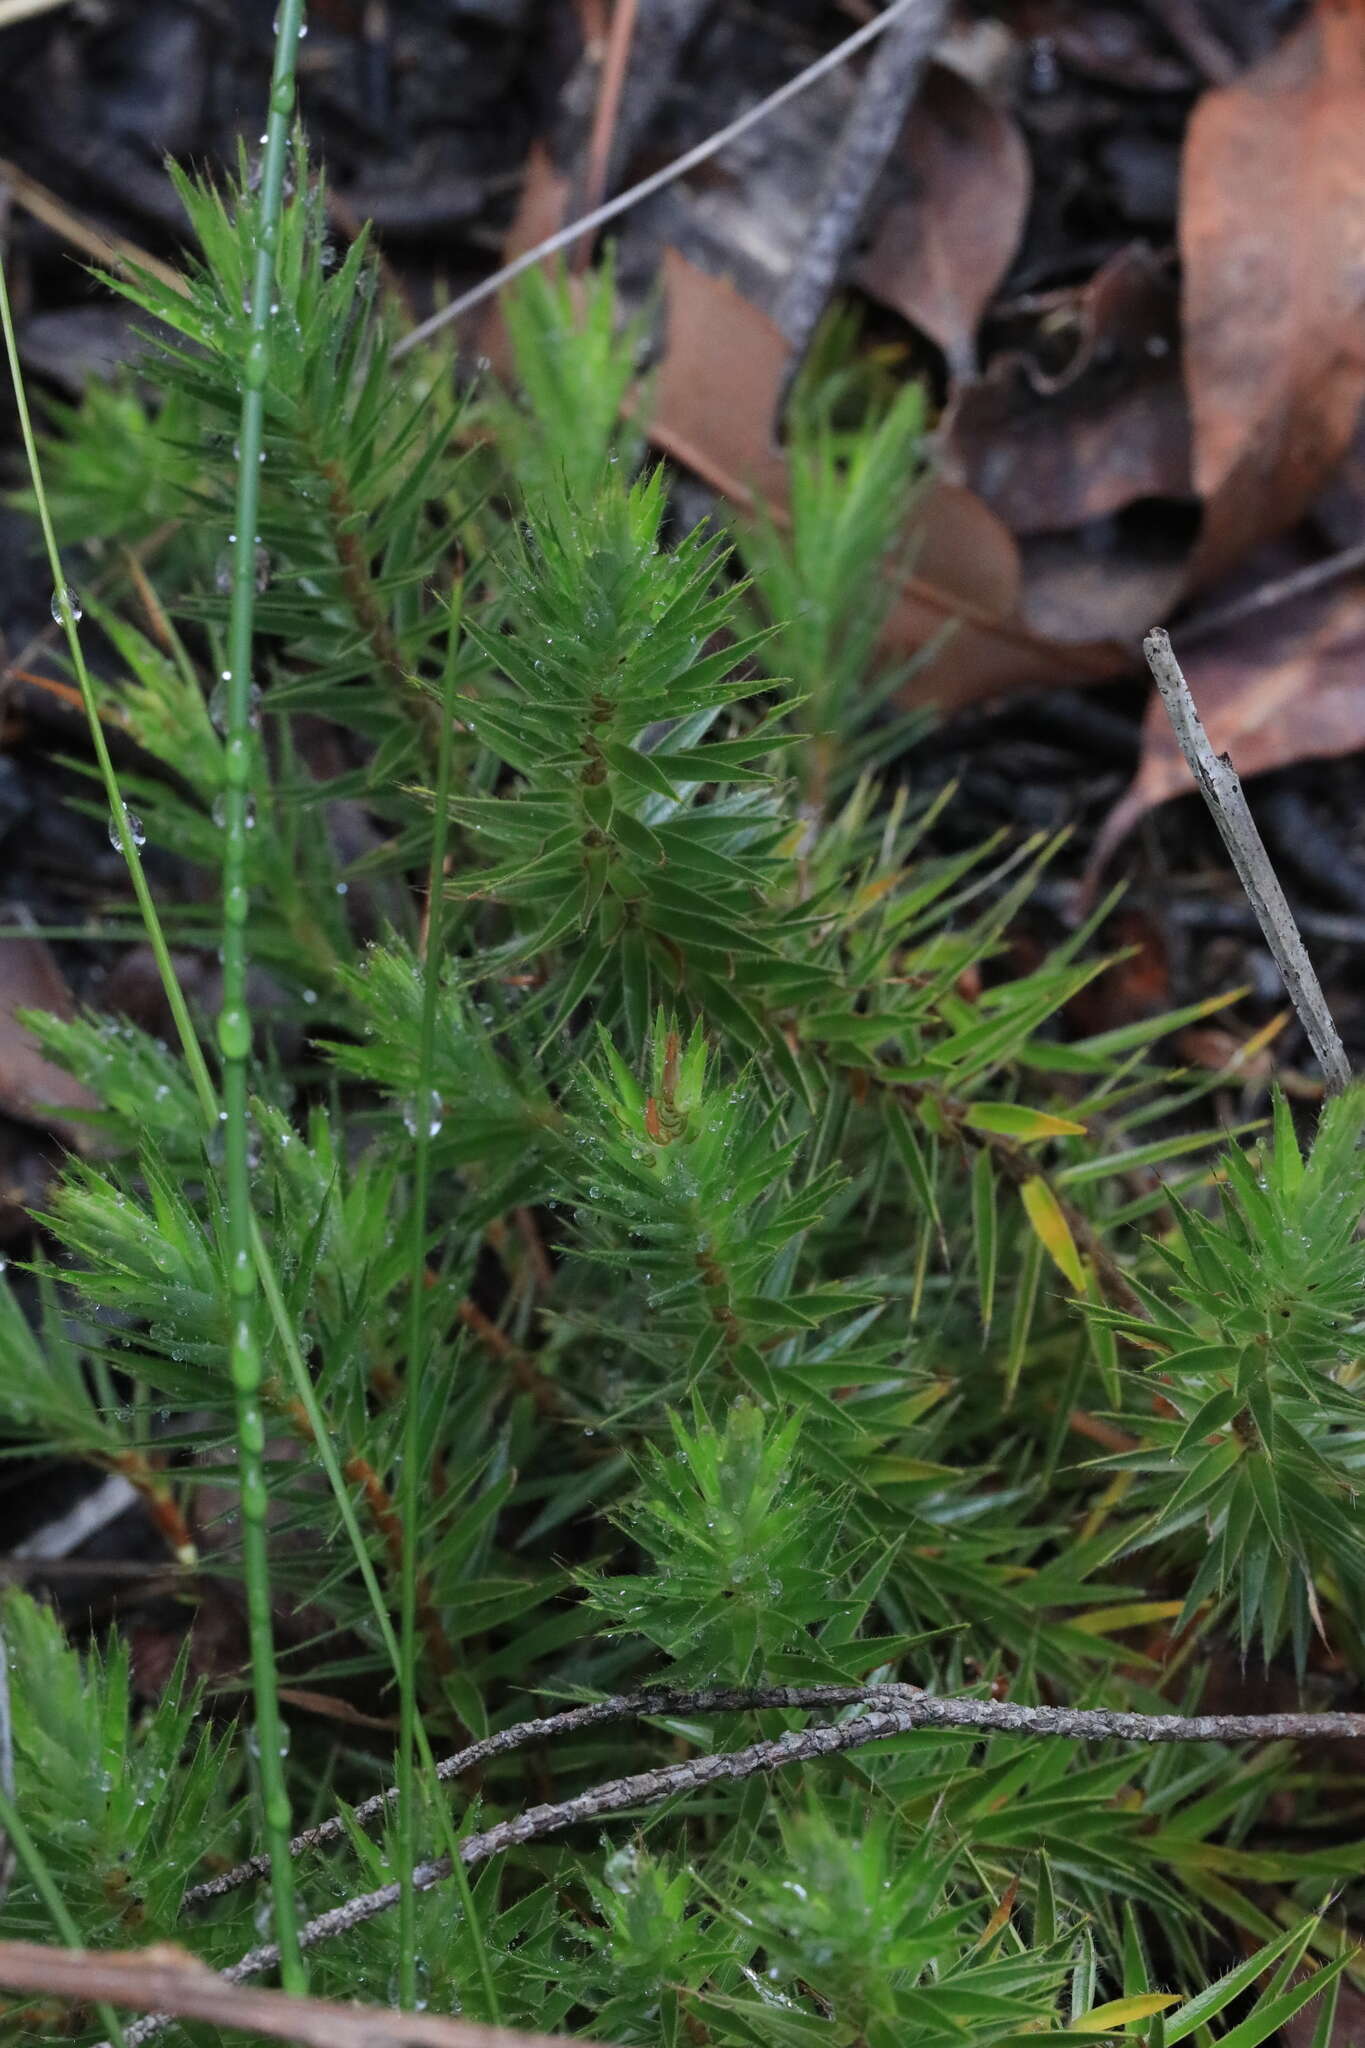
[870, 133]
[1222, 791]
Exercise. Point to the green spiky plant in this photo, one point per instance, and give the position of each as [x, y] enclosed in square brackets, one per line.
[643, 1234]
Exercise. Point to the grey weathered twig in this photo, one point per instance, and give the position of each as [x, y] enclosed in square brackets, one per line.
[1280, 590]
[1222, 791]
[588, 223]
[177, 1985]
[640, 1706]
[890, 1710]
[868, 137]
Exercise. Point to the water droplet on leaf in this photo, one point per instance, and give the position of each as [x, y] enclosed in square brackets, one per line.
[136, 831]
[218, 704]
[434, 1113]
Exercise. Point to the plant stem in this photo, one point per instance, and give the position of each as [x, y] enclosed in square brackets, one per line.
[1221, 788]
[588, 223]
[890, 1711]
[189, 1040]
[118, 813]
[234, 1021]
[409, 1496]
[27, 1852]
[931, 1709]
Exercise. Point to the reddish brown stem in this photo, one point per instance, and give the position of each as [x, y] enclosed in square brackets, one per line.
[519, 1363]
[363, 599]
[383, 1513]
[615, 65]
[386, 1518]
[161, 1503]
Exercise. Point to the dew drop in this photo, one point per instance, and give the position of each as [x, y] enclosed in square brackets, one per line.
[218, 704]
[421, 1986]
[136, 830]
[413, 1117]
[621, 1871]
[220, 812]
[261, 567]
[253, 1740]
[73, 603]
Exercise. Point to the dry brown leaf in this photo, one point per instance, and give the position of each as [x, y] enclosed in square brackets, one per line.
[166, 1978]
[1272, 237]
[1098, 581]
[330, 1708]
[713, 401]
[942, 246]
[1051, 451]
[967, 570]
[1287, 686]
[712, 407]
[31, 1087]
[540, 212]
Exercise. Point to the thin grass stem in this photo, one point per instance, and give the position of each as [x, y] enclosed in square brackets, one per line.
[67, 609]
[43, 1882]
[423, 1119]
[189, 1040]
[245, 1359]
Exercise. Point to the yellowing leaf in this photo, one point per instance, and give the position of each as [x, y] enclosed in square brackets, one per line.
[917, 1405]
[873, 892]
[1119, 2011]
[1053, 1231]
[1001, 1913]
[1016, 1120]
[1106, 1621]
[893, 1471]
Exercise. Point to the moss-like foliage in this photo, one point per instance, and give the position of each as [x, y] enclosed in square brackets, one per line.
[794, 1308]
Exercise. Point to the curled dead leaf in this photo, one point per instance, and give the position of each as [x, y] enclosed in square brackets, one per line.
[1053, 449]
[31, 1087]
[945, 240]
[713, 405]
[966, 575]
[1272, 239]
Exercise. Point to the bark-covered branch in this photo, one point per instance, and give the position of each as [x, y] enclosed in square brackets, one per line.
[887, 1711]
